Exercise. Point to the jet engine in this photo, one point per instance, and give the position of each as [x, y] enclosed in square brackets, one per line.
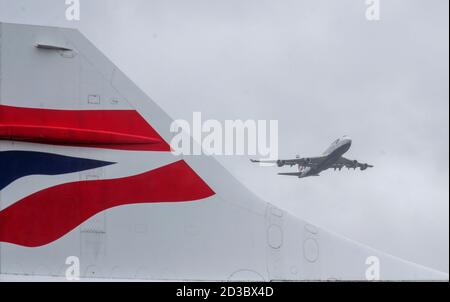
[280, 163]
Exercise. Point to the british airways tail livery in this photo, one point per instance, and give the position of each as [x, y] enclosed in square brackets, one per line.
[86, 171]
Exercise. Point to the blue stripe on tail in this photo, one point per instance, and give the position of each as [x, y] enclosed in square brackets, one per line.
[18, 164]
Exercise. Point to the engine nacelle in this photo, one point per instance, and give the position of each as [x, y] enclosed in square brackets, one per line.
[364, 167]
[280, 163]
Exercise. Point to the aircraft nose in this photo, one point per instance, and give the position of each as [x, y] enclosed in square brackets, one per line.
[347, 139]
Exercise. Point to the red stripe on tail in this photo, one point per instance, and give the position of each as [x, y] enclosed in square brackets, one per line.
[112, 129]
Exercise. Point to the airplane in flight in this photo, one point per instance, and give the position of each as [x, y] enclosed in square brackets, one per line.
[332, 158]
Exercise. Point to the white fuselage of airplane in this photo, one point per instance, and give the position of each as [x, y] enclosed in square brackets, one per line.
[331, 155]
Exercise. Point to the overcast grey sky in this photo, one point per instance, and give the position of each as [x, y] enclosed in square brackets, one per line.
[322, 70]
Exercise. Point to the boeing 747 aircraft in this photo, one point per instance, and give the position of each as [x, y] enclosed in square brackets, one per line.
[331, 158]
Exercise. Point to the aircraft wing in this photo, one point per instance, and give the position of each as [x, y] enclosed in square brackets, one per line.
[305, 162]
[348, 163]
